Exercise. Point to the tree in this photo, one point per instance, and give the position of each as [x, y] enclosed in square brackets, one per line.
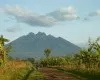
[91, 56]
[32, 60]
[95, 46]
[47, 52]
[3, 40]
[3, 49]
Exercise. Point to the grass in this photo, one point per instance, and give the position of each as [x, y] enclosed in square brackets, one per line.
[14, 70]
[19, 70]
[36, 75]
[83, 74]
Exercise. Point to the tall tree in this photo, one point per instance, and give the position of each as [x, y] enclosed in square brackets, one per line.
[47, 52]
[3, 52]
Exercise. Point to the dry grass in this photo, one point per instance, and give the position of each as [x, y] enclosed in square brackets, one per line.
[14, 70]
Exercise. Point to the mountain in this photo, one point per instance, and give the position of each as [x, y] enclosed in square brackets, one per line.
[33, 45]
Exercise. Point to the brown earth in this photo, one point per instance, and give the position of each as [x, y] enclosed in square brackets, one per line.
[53, 74]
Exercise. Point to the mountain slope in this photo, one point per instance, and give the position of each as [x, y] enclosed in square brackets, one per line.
[33, 45]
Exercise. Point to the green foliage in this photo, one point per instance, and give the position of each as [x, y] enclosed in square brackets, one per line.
[3, 40]
[32, 60]
[86, 58]
[90, 57]
[47, 52]
[10, 58]
[4, 50]
[86, 62]
[53, 61]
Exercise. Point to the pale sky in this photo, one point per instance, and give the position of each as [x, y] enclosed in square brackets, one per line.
[73, 20]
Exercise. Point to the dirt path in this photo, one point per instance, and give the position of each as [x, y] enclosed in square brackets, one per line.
[53, 74]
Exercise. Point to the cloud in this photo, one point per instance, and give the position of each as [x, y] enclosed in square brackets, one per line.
[13, 29]
[28, 17]
[34, 19]
[96, 13]
[64, 14]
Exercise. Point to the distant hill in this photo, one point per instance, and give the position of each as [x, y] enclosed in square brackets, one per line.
[33, 45]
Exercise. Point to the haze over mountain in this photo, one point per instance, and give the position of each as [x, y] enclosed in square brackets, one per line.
[83, 45]
[33, 45]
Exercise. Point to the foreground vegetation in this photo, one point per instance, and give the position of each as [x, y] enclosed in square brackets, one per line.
[85, 63]
[15, 69]
[19, 70]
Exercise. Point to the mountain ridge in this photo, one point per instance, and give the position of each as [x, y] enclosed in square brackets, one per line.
[34, 44]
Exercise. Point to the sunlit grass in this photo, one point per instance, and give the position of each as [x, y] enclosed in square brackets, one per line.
[14, 70]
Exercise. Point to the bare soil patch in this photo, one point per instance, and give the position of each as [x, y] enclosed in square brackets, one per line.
[53, 74]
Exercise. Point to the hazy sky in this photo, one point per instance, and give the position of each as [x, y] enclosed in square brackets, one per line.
[74, 20]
